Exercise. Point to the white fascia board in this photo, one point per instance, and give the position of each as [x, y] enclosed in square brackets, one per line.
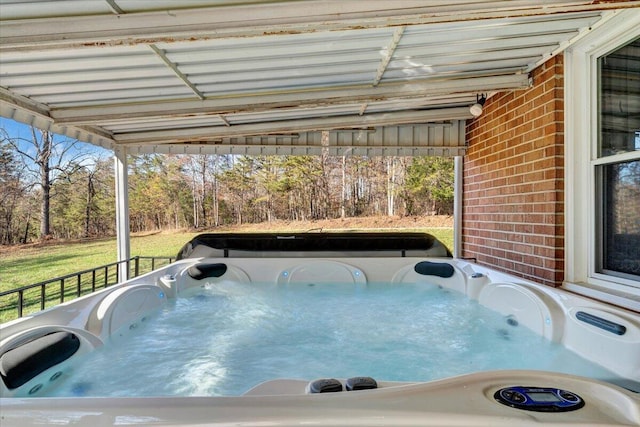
[26, 111]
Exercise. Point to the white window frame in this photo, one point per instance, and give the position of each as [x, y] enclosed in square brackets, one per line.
[581, 160]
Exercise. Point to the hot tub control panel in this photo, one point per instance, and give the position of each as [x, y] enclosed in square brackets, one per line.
[539, 399]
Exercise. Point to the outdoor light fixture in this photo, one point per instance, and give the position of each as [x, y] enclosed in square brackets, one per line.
[476, 109]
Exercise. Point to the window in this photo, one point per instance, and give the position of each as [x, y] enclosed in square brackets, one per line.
[602, 162]
[619, 222]
[619, 96]
[618, 183]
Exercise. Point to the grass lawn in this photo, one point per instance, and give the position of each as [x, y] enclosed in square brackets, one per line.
[25, 265]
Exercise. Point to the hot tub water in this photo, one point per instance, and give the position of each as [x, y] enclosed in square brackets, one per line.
[227, 337]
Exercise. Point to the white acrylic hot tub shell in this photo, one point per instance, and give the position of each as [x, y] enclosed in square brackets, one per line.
[465, 400]
[461, 401]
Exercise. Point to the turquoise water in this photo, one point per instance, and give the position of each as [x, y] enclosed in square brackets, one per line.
[226, 338]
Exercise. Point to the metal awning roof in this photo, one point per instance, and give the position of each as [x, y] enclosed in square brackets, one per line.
[212, 76]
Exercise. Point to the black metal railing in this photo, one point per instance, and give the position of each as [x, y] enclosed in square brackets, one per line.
[16, 303]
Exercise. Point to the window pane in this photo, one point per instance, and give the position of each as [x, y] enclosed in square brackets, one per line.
[621, 219]
[620, 100]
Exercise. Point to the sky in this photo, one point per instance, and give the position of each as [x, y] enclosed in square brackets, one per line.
[18, 130]
[14, 129]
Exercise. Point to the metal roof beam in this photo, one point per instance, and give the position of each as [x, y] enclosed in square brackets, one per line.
[209, 133]
[224, 120]
[160, 53]
[306, 99]
[114, 7]
[266, 19]
[384, 63]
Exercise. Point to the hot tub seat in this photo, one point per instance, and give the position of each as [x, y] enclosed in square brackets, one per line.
[123, 307]
[34, 358]
[20, 364]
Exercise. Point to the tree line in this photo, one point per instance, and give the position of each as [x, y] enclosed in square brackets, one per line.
[51, 187]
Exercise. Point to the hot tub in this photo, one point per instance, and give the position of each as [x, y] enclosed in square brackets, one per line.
[38, 352]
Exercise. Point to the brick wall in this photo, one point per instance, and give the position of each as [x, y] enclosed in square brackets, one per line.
[513, 215]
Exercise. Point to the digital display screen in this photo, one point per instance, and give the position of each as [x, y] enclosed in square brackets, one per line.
[544, 397]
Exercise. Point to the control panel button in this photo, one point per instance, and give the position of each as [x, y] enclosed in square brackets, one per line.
[568, 396]
[518, 397]
[507, 394]
[513, 396]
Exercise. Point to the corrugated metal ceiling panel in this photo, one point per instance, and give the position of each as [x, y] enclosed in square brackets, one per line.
[21, 9]
[145, 79]
[289, 62]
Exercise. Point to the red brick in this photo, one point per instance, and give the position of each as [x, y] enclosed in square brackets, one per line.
[513, 215]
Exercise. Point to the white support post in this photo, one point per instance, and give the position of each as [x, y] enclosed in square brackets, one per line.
[122, 210]
[457, 206]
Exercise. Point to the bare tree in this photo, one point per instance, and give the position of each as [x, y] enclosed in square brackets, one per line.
[198, 169]
[46, 160]
[93, 174]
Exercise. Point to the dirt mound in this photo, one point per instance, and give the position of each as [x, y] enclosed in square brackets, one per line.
[360, 223]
